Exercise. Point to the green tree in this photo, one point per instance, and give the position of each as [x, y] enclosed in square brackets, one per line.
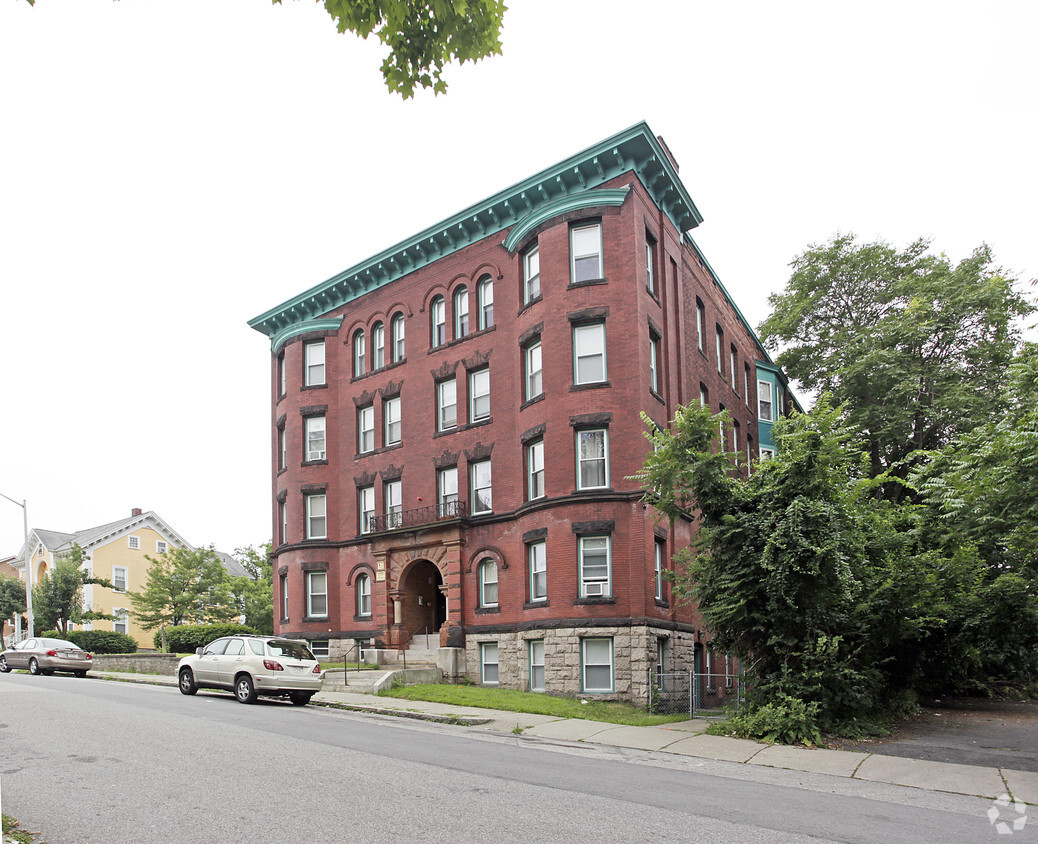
[254, 594]
[422, 36]
[913, 347]
[57, 599]
[12, 600]
[184, 587]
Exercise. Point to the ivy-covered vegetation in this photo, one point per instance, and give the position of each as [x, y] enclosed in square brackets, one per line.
[97, 641]
[185, 638]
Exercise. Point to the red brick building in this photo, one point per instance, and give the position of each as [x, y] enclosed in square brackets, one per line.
[455, 421]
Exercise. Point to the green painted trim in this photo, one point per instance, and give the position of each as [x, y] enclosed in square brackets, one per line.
[609, 197]
[286, 334]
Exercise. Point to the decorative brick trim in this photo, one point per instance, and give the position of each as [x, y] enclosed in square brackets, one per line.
[364, 399]
[530, 333]
[588, 314]
[602, 526]
[313, 410]
[392, 389]
[446, 459]
[590, 420]
[532, 433]
[478, 452]
[534, 535]
[366, 479]
[314, 566]
[444, 371]
[477, 361]
[306, 489]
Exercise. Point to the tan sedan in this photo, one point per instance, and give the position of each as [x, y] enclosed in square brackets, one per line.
[45, 656]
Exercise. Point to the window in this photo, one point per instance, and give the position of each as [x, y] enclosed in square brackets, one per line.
[282, 448]
[531, 275]
[118, 579]
[121, 624]
[479, 395]
[313, 356]
[586, 252]
[282, 377]
[535, 470]
[534, 386]
[482, 501]
[363, 595]
[732, 369]
[316, 517]
[439, 322]
[447, 405]
[658, 570]
[719, 337]
[359, 354]
[283, 581]
[699, 326]
[764, 402]
[133, 542]
[283, 521]
[317, 594]
[589, 353]
[394, 504]
[654, 376]
[596, 658]
[485, 292]
[650, 263]
[780, 402]
[318, 647]
[746, 383]
[391, 415]
[316, 443]
[488, 663]
[378, 346]
[538, 571]
[366, 507]
[461, 312]
[448, 491]
[749, 454]
[365, 429]
[735, 438]
[704, 395]
[398, 338]
[595, 579]
[161, 546]
[766, 453]
[488, 583]
[537, 665]
[592, 459]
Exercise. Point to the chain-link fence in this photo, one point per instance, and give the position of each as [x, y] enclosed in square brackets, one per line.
[705, 695]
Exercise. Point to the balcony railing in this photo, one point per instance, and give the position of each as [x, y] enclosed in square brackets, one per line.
[427, 515]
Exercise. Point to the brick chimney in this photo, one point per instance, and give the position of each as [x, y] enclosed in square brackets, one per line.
[136, 511]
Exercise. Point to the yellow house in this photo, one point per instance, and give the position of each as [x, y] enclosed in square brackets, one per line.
[116, 552]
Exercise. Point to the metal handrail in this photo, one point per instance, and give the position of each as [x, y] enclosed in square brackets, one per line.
[426, 515]
[407, 641]
[346, 664]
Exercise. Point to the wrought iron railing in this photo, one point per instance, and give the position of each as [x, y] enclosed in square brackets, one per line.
[427, 515]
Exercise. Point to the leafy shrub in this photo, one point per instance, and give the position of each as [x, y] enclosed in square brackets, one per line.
[785, 720]
[97, 641]
[184, 638]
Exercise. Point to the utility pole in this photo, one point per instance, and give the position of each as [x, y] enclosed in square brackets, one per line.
[28, 569]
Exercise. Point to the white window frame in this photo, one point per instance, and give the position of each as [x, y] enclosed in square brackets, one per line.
[596, 643]
[595, 585]
[399, 339]
[700, 326]
[658, 569]
[282, 376]
[365, 429]
[282, 448]
[115, 578]
[481, 486]
[479, 394]
[589, 344]
[534, 371]
[735, 438]
[650, 265]
[587, 465]
[586, 256]
[133, 542]
[122, 619]
[535, 487]
[654, 374]
[316, 446]
[161, 546]
[366, 507]
[318, 647]
[489, 667]
[746, 383]
[313, 608]
[719, 341]
[283, 580]
[360, 353]
[316, 516]
[485, 295]
[733, 359]
[766, 453]
[535, 649]
[439, 322]
[461, 312]
[314, 363]
[537, 567]
[447, 405]
[363, 596]
[765, 399]
[394, 502]
[378, 346]
[531, 274]
[393, 423]
[488, 594]
[447, 489]
[283, 513]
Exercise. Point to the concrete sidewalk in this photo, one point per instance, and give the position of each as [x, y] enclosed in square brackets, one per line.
[687, 738]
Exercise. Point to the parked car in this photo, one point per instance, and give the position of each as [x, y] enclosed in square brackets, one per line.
[45, 656]
[251, 667]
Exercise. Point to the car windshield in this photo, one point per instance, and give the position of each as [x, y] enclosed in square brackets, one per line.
[295, 650]
[59, 643]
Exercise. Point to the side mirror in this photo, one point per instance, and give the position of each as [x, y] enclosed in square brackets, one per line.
[198, 651]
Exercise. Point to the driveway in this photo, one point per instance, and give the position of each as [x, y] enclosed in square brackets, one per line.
[968, 731]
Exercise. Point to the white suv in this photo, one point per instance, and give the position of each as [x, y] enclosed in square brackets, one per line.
[251, 666]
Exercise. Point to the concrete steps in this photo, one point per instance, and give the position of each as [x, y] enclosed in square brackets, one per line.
[373, 681]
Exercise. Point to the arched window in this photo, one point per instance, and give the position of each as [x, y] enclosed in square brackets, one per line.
[439, 322]
[363, 595]
[488, 583]
[378, 346]
[461, 312]
[398, 338]
[359, 353]
[486, 302]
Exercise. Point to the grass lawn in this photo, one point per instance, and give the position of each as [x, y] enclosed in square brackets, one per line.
[510, 700]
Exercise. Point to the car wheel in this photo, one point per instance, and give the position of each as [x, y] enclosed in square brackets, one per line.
[46, 672]
[80, 674]
[300, 698]
[34, 666]
[186, 682]
[4, 667]
[244, 689]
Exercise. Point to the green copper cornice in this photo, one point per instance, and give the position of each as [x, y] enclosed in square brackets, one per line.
[635, 150]
[585, 199]
[287, 333]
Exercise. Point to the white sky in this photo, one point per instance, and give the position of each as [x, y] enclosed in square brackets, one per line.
[172, 168]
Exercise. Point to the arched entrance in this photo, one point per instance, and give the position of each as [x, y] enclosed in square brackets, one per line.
[424, 602]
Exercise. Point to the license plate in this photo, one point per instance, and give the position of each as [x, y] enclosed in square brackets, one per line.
[73, 656]
[297, 669]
